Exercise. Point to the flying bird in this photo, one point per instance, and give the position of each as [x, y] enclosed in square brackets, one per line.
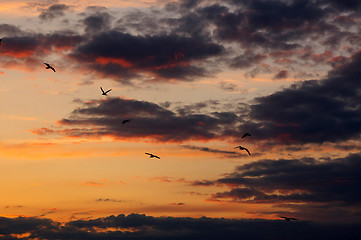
[243, 148]
[152, 155]
[288, 218]
[104, 93]
[49, 67]
[245, 135]
[126, 120]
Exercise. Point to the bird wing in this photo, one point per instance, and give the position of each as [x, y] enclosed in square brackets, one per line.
[47, 64]
[293, 218]
[247, 151]
[102, 89]
[108, 91]
[149, 154]
[245, 135]
[156, 157]
[52, 69]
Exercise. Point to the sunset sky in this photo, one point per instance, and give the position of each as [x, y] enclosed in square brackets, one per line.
[194, 76]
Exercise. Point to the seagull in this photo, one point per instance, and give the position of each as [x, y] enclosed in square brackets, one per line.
[243, 148]
[152, 155]
[126, 120]
[104, 93]
[288, 218]
[245, 135]
[49, 67]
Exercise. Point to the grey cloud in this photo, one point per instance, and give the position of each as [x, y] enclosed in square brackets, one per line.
[331, 183]
[54, 11]
[139, 226]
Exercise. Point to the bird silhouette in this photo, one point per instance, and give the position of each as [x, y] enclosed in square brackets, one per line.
[245, 135]
[49, 67]
[104, 93]
[288, 218]
[152, 155]
[126, 120]
[243, 148]
[1, 40]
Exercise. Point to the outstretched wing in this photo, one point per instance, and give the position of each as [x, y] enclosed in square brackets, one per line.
[247, 151]
[52, 68]
[245, 135]
[126, 120]
[47, 64]
[108, 91]
[102, 89]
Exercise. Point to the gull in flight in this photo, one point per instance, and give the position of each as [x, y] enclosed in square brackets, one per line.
[49, 67]
[152, 155]
[104, 93]
[126, 120]
[243, 148]
[245, 135]
[288, 218]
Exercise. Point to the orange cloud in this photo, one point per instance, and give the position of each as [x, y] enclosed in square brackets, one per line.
[122, 62]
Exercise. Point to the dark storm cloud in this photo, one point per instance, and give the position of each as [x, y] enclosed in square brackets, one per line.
[118, 54]
[149, 121]
[258, 23]
[313, 111]
[331, 183]
[24, 224]
[140, 226]
[25, 50]
[54, 11]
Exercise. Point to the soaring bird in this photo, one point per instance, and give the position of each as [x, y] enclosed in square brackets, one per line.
[49, 67]
[288, 218]
[126, 120]
[104, 93]
[245, 135]
[152, 155]
[243, 148]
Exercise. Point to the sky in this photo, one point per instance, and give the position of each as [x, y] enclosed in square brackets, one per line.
[193, 76]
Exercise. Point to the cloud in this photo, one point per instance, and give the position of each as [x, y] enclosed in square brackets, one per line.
[281, 74]
[123, 56]
[108, 200]
[212, 150]
[97, 20]
[312, 111]
[140, 226]
[54, 11]
[150, 121]
[297, 184]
